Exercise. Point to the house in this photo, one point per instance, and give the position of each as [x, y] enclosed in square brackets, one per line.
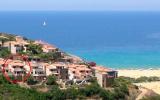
[46, 47]
[57, 69]
[16, 46]
[79, 72]
[105, 76]
[15, 69]
[37, 70]
[51, 70]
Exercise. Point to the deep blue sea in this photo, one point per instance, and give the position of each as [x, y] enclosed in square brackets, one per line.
[113, 39]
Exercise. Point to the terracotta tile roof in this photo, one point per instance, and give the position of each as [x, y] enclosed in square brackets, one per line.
[16, 63]
[34, 64]
[46, 45]
[51, 66]
[101, 69]
[44, 64]
[17, 42]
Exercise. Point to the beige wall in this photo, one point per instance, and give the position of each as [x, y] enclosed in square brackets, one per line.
[99, 78]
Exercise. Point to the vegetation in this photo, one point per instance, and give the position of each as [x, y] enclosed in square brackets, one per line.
[152, 98]
[51, 80]
[50, 56]
[7, 37]
[4, 52]
[34, 49]
[15, 92]
[120, 86]
[10, 91]
[142, 79]
[31, 81]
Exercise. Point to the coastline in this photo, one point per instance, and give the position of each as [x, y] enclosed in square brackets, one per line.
[136, 73]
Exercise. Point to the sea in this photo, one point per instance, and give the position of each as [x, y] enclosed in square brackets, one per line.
[116, 39]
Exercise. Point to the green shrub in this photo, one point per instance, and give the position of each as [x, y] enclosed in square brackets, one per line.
[4, 52]
[106, 95]
[51, 80]
[31, 81]
[71, 93]
[152, 98]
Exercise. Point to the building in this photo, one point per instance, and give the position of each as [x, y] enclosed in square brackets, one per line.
[46, 47]
[16, 46]
[105, 76]
[57, 69]
[17, 68]
[79, 72]
[37, 70]
[14, 69]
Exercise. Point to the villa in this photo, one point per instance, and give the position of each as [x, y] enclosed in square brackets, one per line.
[79, 72]
[16, 46]
[46, 47]
[105, 76]
[14, 68]
[38, 71]
[57, 69]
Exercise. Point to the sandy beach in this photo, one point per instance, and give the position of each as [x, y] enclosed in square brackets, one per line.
[139, 72]
[155, 86]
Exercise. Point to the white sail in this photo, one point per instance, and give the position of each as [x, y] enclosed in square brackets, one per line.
[44, 24]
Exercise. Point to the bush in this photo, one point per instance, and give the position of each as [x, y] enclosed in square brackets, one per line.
[141, 79]
[92, 89]
[4, 52]
[71, 93]
[3, 80]
[31, 81]
[51, 80]
[106, 95]
[56, 94]
[152, 98]
[34, 49]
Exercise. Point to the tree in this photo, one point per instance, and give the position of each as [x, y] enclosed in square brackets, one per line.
[3, 39]
[50, 56]
[4, 52]
[56, 94]
[31, 81]
[51, 80]
[71, 93]
[106, 95]
[34, 49]
[92, 89]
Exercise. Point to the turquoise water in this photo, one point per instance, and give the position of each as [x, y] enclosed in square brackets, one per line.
[114, 39]
[121, 59]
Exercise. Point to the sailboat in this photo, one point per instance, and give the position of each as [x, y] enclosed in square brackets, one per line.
[44, 23]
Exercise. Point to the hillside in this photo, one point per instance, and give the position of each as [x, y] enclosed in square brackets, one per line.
[57, 75]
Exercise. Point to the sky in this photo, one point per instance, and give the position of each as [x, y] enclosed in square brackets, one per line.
[82, 5]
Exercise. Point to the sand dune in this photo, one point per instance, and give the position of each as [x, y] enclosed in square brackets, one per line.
[155, 86]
